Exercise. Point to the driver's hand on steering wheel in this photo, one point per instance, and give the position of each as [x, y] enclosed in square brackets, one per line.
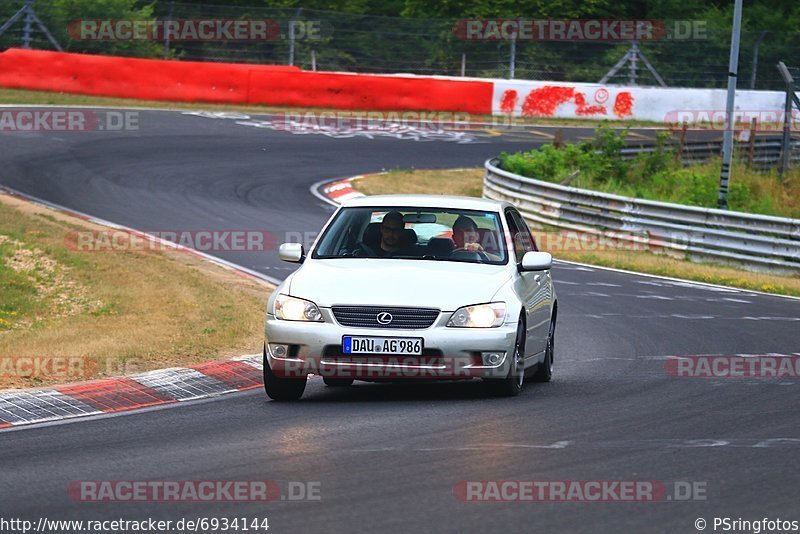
[473, 247]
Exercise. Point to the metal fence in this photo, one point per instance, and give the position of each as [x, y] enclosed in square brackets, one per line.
[758, 242]
[759, 152]
[362, 43]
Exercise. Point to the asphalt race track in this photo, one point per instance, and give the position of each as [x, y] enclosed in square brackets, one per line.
[388, 457]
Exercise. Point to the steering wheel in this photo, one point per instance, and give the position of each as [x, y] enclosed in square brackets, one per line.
[481, 253]
[363, 250]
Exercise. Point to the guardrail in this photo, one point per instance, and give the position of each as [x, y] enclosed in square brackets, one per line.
[758, 242]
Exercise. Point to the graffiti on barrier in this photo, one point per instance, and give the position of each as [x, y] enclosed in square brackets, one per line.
[545, 101]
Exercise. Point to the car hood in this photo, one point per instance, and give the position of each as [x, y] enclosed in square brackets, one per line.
[436, 284]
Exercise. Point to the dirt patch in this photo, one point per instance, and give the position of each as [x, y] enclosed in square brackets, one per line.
[122, 311]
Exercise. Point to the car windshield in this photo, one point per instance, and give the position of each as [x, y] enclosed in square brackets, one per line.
[423, 234]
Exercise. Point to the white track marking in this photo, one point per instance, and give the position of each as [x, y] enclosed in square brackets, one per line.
[667, 443]
[679, 282]
[768, 318]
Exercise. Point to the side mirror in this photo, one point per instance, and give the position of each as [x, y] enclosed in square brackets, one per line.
[291, 252]
[536, 261]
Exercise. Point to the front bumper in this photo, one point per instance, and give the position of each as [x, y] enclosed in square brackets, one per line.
[449, 353]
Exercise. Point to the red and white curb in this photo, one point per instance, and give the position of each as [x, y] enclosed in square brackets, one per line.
[342, 191]
[339, 191]
[165, 386]
[109, 395]
[28, 406]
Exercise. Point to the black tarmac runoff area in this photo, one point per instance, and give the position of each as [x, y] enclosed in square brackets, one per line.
[426, 457]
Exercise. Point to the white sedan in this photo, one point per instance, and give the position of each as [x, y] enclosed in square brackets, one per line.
[413, 287]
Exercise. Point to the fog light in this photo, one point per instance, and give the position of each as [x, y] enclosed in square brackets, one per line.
[279, 351]
[492, 358]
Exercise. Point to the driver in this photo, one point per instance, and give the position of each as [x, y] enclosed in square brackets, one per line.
[467, 238]
[466, 235]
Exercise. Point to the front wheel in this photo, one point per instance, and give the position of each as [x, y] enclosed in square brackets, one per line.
[282, 389]
[544, 371]
[511, 385]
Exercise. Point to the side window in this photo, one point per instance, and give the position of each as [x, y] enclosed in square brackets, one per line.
[513, 228]
[528, 242]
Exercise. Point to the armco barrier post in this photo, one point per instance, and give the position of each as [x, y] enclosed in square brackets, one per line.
[786, 147]
[751, 145]
[292, 23]
[513, 59]
[166, 34]
[727, 135]
[26, 29]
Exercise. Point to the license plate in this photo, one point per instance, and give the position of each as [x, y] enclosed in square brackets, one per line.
[382, 345]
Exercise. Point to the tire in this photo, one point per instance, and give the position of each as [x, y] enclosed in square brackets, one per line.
[544, 371]
[511, 385]
[337, 382]
[282, 389]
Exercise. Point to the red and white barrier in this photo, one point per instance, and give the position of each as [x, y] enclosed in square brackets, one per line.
[660, 104]
[150, 79]
[186, 81]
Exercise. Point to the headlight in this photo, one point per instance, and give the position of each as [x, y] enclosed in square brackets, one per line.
[295, 309]
[479, 316]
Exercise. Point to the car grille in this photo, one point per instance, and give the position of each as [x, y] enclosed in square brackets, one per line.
[367, 317]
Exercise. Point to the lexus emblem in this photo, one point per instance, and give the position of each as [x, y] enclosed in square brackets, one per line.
[384, 318]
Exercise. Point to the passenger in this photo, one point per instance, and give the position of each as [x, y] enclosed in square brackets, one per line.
[392, 228]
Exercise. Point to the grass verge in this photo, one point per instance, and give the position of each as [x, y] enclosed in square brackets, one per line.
[469, 182]
[112, 312]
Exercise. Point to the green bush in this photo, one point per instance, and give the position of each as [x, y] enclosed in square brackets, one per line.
[600, 160]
